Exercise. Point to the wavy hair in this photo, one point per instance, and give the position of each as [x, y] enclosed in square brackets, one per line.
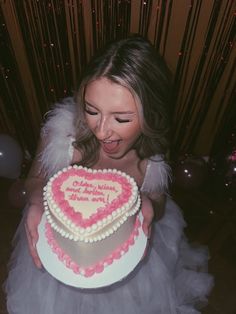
[135, 64]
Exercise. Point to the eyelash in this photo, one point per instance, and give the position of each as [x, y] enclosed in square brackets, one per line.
[93, 113]
[122, 121]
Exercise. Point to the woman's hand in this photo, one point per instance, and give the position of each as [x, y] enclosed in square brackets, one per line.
[33, 219]
[148, 214]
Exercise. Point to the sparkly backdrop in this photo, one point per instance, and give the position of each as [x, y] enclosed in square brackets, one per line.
[44, 45]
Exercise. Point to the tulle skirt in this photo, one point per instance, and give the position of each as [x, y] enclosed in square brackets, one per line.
[171, 279]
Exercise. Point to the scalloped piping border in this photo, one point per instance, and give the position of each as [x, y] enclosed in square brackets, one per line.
[98, 267]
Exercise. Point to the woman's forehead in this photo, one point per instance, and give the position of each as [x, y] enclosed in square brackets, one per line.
[101, 92]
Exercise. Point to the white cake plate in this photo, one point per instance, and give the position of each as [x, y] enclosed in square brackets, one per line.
[113, 273]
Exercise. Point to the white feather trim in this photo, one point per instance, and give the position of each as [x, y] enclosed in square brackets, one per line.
[157, 177]
[58, 133]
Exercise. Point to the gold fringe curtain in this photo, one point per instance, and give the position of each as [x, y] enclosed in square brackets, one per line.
[44, 45]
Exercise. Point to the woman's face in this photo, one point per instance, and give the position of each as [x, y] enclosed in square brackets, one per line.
[111, 114]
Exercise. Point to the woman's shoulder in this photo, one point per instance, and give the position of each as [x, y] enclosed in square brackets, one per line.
[157, 176]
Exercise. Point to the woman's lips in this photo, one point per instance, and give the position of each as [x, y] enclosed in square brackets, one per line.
[110, 146]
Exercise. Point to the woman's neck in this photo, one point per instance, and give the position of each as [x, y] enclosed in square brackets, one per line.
[130, 164]
[106, 161]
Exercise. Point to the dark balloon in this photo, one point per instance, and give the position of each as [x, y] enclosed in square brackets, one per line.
[190, 172]
[230, 175]
[222, 167]
[11, 157]
[223, 172]
[17, 194]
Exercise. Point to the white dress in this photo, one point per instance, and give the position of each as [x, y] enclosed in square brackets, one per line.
[172, 279]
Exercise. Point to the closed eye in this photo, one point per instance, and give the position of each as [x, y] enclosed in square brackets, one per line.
[92, 113]
[123, 120]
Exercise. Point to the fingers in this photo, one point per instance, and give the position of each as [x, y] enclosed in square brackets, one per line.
[31, 226]
[147, 222]
[32, 237]
[147, 228]
[148, 215]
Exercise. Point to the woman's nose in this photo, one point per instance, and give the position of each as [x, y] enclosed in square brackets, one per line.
[103, 129]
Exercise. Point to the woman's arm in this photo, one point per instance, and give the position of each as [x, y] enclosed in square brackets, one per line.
[152, 208]
[34, 191]
[159, 203]
[148, 214]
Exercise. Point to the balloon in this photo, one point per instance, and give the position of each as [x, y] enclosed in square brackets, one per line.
[223, 173]
[10, 157]
[17, 194]
[190, 172]
[230, 175]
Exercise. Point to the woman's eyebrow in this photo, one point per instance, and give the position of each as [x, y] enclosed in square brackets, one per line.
[90, 105]
[124, 112]
[115, 112]
[87, 103]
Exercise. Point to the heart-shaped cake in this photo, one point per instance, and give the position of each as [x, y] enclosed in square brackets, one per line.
[85, 201]
[91, 215]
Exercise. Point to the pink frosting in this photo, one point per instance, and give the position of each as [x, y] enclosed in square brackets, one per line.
[102, 212]
[99, 267]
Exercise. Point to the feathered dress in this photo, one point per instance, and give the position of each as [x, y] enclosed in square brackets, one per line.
[172, 279]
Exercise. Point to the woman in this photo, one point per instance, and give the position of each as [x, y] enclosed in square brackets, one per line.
[120, 120]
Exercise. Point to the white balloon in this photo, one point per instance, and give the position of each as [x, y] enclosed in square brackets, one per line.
[11, 157]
